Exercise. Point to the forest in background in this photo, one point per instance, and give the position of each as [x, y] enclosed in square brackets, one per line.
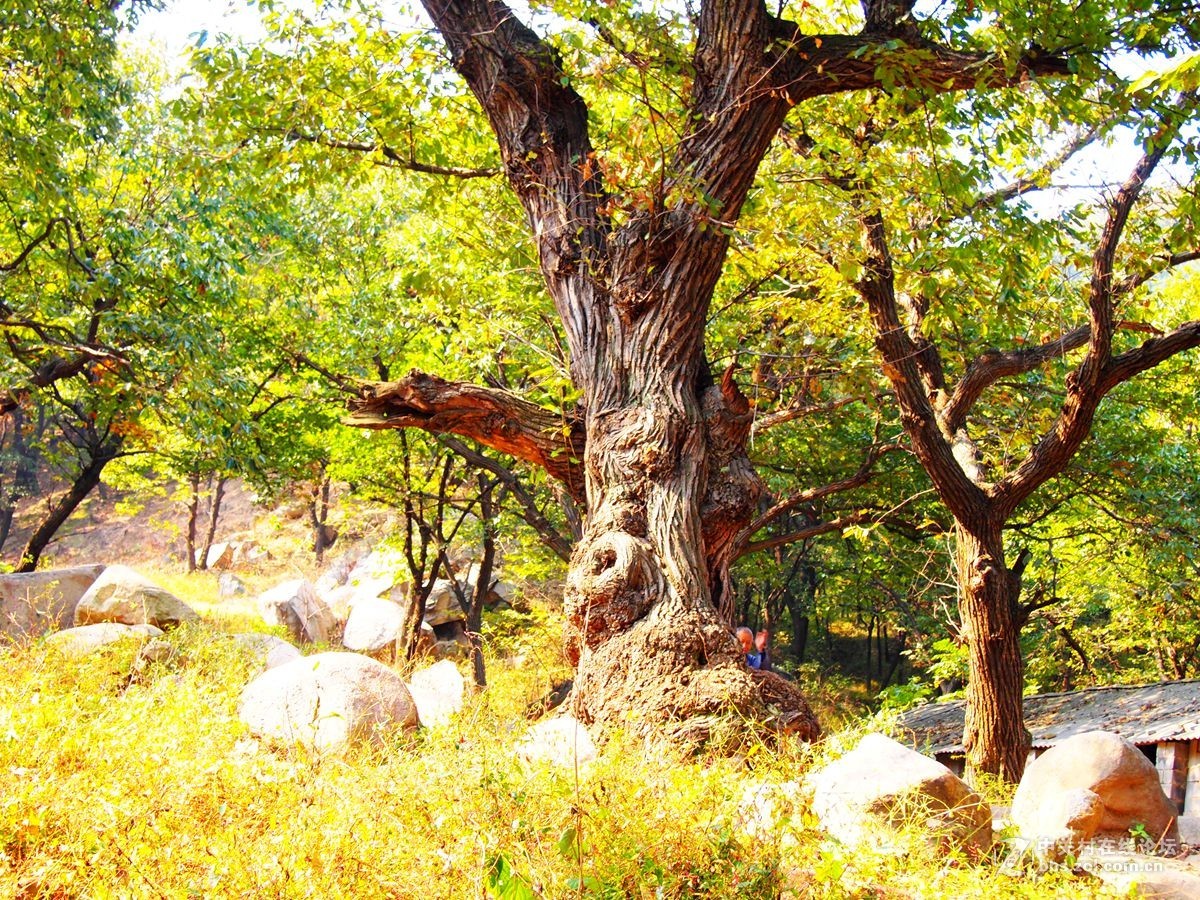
[204, 272]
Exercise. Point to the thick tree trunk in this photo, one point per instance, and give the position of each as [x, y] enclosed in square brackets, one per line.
[653, 653]
[995, 736]
[85, 482]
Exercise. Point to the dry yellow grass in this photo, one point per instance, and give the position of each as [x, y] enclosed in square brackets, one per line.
[152, 788]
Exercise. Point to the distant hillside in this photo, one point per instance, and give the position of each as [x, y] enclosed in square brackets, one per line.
[111, 527]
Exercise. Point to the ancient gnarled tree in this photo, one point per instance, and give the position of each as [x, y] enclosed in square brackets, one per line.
[657, 451]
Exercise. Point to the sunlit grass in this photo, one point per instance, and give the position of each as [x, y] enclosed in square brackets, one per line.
[149, 787]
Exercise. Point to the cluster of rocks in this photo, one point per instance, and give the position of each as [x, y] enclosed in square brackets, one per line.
[1094, 799]
[324, 701]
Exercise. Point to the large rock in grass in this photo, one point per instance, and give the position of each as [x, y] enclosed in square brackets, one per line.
[373, 626]
[229, 585]
[122, 595]
[32, 603]
[1140, 875]
[297, 607]
[881, 785]
[87, 639]
[381, 573]
[438, 692]
[442, 605]
[1095, 786]
[327, 702]
[270, 650]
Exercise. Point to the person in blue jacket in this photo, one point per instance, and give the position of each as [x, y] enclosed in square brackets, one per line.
[746, 638]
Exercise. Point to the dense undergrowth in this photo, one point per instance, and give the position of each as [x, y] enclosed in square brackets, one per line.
[147, 786]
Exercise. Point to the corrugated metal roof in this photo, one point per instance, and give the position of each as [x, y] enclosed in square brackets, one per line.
[1142, 714]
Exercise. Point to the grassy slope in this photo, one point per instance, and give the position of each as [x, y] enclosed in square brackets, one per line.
[153, 789]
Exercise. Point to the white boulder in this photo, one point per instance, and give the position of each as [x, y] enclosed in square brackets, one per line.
[562, 741]
[438, 692]
[32, 603]
[122, 595]
[86, 639]
[327, 702]
[297, 607]
[442, 606]
[881, 785]
[270, 650]
[373, 626]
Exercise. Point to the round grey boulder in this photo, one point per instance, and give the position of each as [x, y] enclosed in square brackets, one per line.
[327, 702]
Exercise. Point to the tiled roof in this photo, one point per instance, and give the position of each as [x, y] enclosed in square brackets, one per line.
[1142, 714]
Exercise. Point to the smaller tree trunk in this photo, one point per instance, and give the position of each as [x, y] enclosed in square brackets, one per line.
[995, 736]
[85, 482]
[193, 516]
[483, 584]
[323, 535]
[214, 514]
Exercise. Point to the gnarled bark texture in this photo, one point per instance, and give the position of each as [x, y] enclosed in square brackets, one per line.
[995, 736]
[667, 485]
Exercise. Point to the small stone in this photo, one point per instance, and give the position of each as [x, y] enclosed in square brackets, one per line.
[561, 741]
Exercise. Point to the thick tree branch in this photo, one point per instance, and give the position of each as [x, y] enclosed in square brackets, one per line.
[1100, 288]
[52, 371]
[810, 66]
[1026, 184]
[540, 123]
[962, 496]
[988, 368]
[858, 479]
[795, 411]
[1159, 265]
[490, 416]
[992, 365]
[1098, 373]
[1149, 354]
[840, 524]
[43, 235]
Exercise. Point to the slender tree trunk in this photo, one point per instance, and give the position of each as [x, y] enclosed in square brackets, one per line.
[214, 515]
[318, 515]
[995, 736]
[483, 583]
[85, 482]
[800, 625]
[23, 480]
[192, 521]
[896, 659]
[6, 518]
